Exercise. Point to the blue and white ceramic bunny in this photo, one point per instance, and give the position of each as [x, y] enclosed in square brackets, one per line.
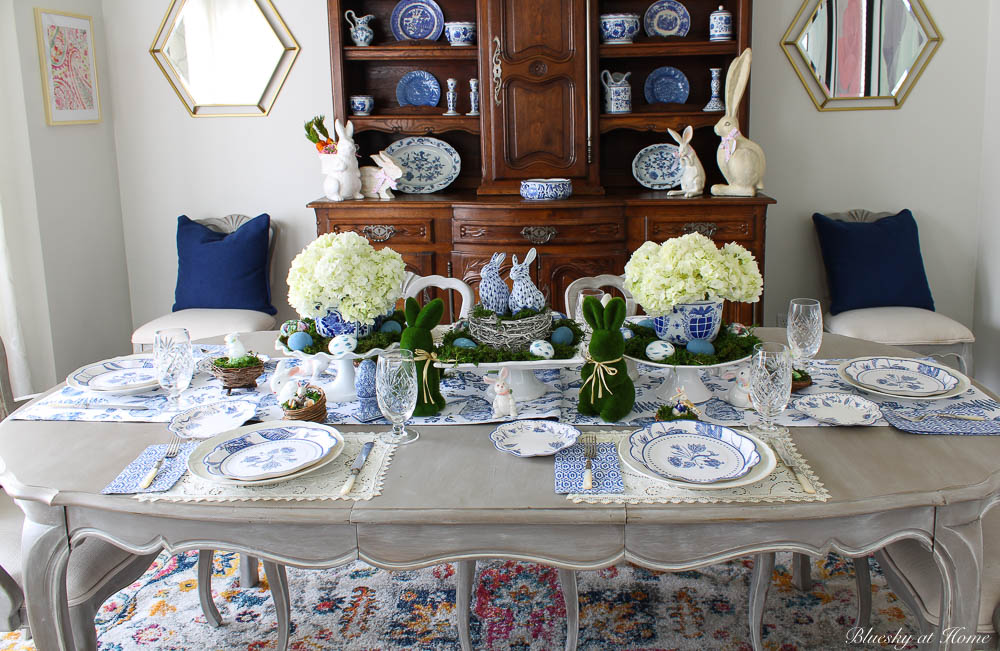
[524, 295]
[492, 289]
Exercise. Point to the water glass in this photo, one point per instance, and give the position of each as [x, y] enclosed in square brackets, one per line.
[805, 327]
[396, 392]
[770, 385]
[584, 293]
[174, 361]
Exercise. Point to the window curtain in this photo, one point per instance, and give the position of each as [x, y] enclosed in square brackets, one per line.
[10, 328]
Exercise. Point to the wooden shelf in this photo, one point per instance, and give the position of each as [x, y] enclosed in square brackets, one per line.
[416, 124]
[659, 120]
[407, 51]
[651, 49]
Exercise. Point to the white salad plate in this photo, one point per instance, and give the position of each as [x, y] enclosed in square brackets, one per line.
[963, 382]
[901, 376]
[124, 375]
[533, 438]
[205, 421]
[693, 451]
[266, 453]
[428, 164]
[838, 408]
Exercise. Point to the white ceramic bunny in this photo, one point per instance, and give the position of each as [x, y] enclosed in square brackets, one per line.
[493, 290]
[343, 178]
[379, 182]
[282, 380]
[740, 159]
[524, 295]
[234, 347]
[692, 173]
[739, 393]
[504, 404]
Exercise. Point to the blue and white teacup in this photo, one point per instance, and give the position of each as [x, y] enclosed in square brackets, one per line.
[362, 104]
[460, 33]
[619, 28]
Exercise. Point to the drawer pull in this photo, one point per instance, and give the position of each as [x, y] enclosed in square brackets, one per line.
[708, 229]
[539, 234]
[378, 232]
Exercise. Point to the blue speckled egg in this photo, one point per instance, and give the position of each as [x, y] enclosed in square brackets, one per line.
[464, 342]
[342, 344]
[627, 333]
[390, 326]
[299, 340]
[288, 327]
[647, 323]
[701, 347]
[541, 348]
[557, 315]
[658, 351]
[562, 336]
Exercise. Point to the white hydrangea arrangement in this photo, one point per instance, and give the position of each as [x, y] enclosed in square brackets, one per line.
[344, 272]
[691, 268]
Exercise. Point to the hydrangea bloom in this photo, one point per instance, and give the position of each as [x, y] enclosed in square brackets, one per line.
[344, 272]
[691, 268]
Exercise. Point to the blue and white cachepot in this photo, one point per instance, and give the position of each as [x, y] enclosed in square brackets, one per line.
[687, 321]
[720, 25]
[333, 324]
[460, 33]
[546, 189]
[619, 28]
[362, 104]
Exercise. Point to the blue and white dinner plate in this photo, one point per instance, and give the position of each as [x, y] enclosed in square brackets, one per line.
[899, 376]
[667, 18]
[533, 438]
[418, 88]
[657, 167]
[428, 164]
[838, 408]
[205, 421]
[693, 451]
[667, 85]
[416, 20]
[124, 375]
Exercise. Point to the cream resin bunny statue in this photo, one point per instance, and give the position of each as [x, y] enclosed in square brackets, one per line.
[379, 182]
[343, 178]
[740, 159]
[692, 173]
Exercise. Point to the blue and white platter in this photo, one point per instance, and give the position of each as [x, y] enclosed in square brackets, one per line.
[533, 438]
[667, 85]
[121, 375]
[418, 88]
[266, 453]
[657, 167]
[416, 20]
[205, 421]
[694, 451]
[667, 18]
[428, 164]
[838, 408]
[900, 376]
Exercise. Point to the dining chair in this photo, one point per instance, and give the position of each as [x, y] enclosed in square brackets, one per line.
[597, 282]
[413, 285]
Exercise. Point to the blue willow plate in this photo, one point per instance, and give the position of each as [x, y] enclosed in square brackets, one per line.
[657, 167]
[418, 88]
[901, 376]
[129, 374]
[838, 408]
[533, 438]
[416, 20]
[667, 18]
[667, 85]
[693, 451]
[266, 451]
[428, 164]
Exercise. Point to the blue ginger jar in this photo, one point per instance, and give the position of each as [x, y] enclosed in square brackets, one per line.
[364, 384]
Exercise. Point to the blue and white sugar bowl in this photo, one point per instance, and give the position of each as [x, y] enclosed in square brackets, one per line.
[546, 189]
[720, 25]
[362, 104]
[460, 33]
[619, 28]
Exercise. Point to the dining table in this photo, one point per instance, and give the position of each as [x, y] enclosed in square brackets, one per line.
[451, 496]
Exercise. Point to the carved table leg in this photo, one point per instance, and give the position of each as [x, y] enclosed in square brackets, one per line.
[45, 557]
[463, 599]
[205, 558]
[958, 550]
[760, 581]
[249, 573]
[567, 580]
[278, 581]
[863, 582]
[802, 572]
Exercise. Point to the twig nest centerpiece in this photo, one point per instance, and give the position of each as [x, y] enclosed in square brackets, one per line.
[513, 334]
[239, 369]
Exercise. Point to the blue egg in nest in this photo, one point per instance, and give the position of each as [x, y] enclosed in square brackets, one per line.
[562, 336]
[299, 341]
[464, 342]
[391, 326]
[700, 347]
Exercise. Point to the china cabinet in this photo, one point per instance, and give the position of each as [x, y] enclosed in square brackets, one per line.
[539, 64]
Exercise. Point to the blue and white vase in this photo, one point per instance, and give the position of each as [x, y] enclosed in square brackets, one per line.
[720, 25]
[333, 324]
[687, 321]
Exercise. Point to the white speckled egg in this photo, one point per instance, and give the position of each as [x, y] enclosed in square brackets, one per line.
[627, 333]
[342, 344]
[658, 351]
[541, 348]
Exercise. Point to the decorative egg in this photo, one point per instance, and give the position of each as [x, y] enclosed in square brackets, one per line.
[289, 327]
[738, 329]
[562, 336]
[557, 315]
[461, 325]
[647, 323]
[701, 347]
[627, 333]
[542, 348]
[303, 326]
[464, 342]
[343, 344]
[299, 340]
[658, 351]
[391, 326]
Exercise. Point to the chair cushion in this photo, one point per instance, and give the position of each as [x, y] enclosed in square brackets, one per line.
[899, 326]
[204, 323]
[873, 264]
[223, 270]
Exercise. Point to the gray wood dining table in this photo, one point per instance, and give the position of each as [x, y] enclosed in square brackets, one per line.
[451, 497]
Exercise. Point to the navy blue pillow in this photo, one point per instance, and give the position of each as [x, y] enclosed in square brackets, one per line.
[223, 270]
[873, 264]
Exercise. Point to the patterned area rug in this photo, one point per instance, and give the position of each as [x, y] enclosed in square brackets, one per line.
[516, 606]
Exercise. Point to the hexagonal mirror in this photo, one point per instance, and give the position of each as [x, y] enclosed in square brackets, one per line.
[860, 54]
[224, 57]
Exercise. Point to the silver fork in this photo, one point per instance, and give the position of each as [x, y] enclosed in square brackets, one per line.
[937, 414]
[589, 453]
[172, 450]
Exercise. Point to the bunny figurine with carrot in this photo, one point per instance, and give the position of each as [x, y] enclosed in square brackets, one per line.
[607, 390]
[417, 337]
[740, 159]
[343, 178]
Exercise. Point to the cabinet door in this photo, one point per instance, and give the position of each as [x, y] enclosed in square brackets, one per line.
[535, 117]
[557, 271]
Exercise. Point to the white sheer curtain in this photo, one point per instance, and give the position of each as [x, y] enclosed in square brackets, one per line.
[10, 327]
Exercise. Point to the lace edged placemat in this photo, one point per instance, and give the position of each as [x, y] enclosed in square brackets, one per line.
[780, 486]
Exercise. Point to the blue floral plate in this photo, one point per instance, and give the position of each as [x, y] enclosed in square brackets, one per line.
[122, 375]
[694, 451]
[667, 85]
[533, 438]
[838, 408]
[667, 18]
[416, 20]
[657, 167]
[418, 88]
[428, 164]
[900, 376]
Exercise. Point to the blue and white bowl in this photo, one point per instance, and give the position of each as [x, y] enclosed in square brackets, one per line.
[362, 104]
[619, 28]
[546, 189]
[533, 438]
[460, 33]
[687, 321]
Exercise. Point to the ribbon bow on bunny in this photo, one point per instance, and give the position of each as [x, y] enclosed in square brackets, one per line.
[383, 181]
[597, 381]
[728, 143]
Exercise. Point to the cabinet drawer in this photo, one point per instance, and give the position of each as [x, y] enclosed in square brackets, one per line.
[535, 228]
[394, 231]
[720, 224]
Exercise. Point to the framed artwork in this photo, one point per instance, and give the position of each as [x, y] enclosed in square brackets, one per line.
[69, 67]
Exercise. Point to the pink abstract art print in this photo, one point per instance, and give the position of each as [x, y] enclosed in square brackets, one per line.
[69, 69]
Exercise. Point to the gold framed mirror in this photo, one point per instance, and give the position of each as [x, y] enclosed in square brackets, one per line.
[224, 58]
[860, 54]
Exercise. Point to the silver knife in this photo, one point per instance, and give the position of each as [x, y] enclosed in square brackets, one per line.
[356, 467]
[99, 405]
[786, 459]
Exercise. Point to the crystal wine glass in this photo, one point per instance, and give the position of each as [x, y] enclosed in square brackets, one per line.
[770, 385]
[584, 293]
[396, 391]
[805, 328]
[174, 361]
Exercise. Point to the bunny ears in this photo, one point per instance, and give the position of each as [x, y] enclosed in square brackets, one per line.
[527, 259]
[425, 318]
[599, 317]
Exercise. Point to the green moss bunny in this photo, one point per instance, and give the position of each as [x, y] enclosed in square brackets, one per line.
[607, 390]
[417, 337]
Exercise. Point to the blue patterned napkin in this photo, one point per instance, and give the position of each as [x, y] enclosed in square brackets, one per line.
[127, 482]
[945, 426]
[606, 471]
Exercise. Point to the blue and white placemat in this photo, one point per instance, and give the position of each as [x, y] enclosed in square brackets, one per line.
[605, 469]
[127, 482]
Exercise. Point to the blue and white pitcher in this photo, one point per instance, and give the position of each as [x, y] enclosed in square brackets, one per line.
[361, 33]
[617, 92]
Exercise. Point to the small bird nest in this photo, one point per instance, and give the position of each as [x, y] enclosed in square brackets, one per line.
[237, 377]
[315, 412]
[510, 334]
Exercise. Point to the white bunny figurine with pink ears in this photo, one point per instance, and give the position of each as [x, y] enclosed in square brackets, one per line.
[692, 173]
[740, 159]
[504, 404]
[343, 178]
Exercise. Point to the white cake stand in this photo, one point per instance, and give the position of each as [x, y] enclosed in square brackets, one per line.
[342, 389]
[688, 377]
[522, 380]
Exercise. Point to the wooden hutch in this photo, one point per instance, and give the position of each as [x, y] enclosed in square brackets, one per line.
[538, 62]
